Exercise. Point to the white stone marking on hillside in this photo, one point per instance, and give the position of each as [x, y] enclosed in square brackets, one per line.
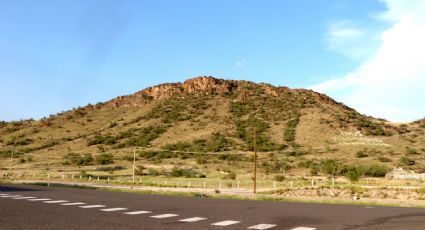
[357, 138]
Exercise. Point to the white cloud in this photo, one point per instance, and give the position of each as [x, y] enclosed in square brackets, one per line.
[390, 82]
[351, 39]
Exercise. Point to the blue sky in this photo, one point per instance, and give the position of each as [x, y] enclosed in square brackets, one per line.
[55, 55]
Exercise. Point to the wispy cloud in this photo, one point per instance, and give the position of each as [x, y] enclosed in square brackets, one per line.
[351, 39]
[389, 83]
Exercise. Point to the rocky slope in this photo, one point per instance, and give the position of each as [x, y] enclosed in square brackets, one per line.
[210, 115]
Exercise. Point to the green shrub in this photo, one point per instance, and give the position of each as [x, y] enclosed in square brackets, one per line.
[140, 170]
[404, 160]
[279, 178]
[384, 159]
[182, 172]
[78, 159]
[291, 127]
[201, 160]
[110, 168]
[352, 173]
[377, 170]
[153, 172]
[330, 167]
[105, 159]
[157, 155]
[244, 131]
[361, 154]
[229, 176]
[411, 151]
[295, 153]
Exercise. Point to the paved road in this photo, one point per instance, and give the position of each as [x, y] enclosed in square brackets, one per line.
[36, 207]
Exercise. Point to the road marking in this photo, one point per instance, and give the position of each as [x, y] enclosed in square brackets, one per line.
[4, 194]
[55, 201]
[92, 206]
[226, 223]
[76, 203]
[164, 216]
[369, 207]
[9, 196]
[303, 228]
[262, 226]
[39, 199]
[113, 209]
[193, 219]
[137, 212]
[23, 197]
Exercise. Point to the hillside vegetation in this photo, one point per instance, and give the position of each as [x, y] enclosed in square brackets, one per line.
[204, 128]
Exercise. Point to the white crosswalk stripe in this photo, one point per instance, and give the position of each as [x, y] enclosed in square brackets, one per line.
[262, 226]
[226, 223]
[193, 219]
[23, 197]
[303, 228]
[9, 196]
[55, 201]
[113, 209]
[92, 206]
[40, 199]
[4, 194]
[75, 203]
[137, 212]
[164, 216]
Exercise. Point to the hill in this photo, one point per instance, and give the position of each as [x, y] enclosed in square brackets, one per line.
[205, 126]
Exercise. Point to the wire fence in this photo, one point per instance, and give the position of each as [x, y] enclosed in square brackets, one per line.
[203, 183]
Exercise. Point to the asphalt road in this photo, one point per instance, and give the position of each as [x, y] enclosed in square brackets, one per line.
[37, 207]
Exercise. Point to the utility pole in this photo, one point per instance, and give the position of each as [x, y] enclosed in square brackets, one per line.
[254, 178]
[134, 163]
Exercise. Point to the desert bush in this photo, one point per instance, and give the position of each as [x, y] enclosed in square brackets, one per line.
[291, 127]
[229, 176]
[361, 154]
[113, 124]
[244, 131]
[330, 166]
[376, 170]
[404, 160]
[384, 159]
[140, 170]
[110, 168]
[183, 172]
[411, 151]
[353, 173]
[105, 159]
[178, 146]
[98, 139]
[295, 153]
[279, 178]
[78, 159]
[201, 160]
[155, 155]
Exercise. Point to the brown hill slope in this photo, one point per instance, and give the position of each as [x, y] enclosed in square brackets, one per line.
[210, 115]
